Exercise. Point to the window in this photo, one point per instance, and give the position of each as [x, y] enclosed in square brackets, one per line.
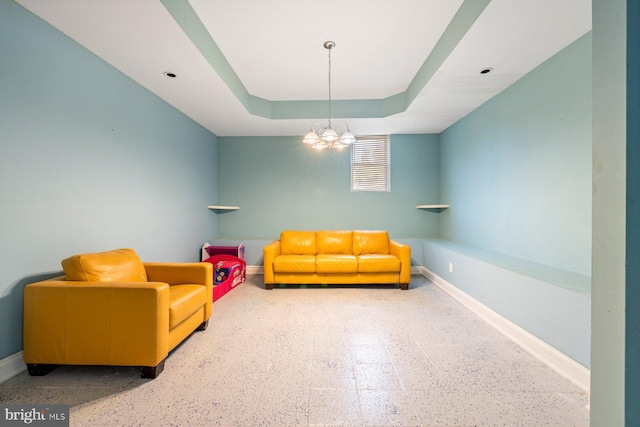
[370, 164]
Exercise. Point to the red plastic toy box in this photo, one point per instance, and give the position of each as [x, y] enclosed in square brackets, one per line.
[228, 272]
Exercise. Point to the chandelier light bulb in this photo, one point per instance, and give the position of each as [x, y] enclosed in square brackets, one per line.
[329, 135]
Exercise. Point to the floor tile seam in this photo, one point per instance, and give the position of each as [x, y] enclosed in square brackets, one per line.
[314, 388]
[360, 411]
[431, 363]
[550, 392]
[400, 380]
[489, 391]
[358, 385]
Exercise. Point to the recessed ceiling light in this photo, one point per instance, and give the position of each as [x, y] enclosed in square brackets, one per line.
[169, 74]
[486, 70]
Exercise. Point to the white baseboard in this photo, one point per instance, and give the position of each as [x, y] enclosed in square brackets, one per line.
[11, 366]
[255, 269]
[547, 354]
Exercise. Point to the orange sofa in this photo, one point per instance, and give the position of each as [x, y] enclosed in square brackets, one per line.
[112, 309]
[336, 257]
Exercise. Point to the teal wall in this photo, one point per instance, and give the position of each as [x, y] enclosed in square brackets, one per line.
[632, 348]
[610, 370]
[281, 183]
[89, 161]
[517, 170]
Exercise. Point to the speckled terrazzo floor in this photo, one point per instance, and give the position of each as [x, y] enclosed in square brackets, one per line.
[324, 356]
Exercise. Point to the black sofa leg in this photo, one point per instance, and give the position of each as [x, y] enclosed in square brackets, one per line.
[39, 370]
[404, 286]
[268, 286]
[203, 326]
[152, 371]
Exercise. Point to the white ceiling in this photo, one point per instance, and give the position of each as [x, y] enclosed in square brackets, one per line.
[275, 48]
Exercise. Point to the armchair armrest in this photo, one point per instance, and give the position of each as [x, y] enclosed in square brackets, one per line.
[403, 252]
[96, 323]
[270, 252]
[180, 273]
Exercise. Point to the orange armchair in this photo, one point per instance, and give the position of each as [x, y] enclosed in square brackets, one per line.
[112, 309]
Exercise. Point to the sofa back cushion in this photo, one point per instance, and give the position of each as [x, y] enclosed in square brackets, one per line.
[298, 242]
[366, 242]
[335, 242]
[120, 265]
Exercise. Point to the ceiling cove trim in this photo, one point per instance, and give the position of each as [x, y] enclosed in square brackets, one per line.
[188, 19]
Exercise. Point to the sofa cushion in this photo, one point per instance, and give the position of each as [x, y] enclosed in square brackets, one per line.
[336, 263]
[120, 265]
[184, 300]
[298, 242]
[294, 264]
[335, 242]
[367, 242]
[378, 264]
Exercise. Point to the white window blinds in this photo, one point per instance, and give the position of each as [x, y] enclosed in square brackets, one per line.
[370, 163]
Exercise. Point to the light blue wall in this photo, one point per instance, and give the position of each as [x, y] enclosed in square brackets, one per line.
[517, 170]
[280, 183]
[89, 161]
[552, 304]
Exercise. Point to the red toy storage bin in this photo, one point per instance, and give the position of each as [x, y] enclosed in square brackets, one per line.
[228, 272]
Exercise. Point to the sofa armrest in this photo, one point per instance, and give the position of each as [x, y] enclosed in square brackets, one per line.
[180, 273]
[403, 252]
[96, 323]
[270, 252]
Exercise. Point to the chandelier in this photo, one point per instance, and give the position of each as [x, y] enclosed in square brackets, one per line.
[328, 137]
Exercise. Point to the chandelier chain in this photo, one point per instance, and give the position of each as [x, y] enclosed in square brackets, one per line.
[329, 87]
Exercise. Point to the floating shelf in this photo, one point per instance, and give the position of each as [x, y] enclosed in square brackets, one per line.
[441, 207]
[223, 208]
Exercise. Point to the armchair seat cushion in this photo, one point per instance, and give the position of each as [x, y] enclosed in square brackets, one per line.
[295, 264]
[184, 300]
[326, 263]
[378, 264]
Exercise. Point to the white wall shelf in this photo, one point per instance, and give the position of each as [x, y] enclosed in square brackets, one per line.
[440, 207]
[222, 208]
